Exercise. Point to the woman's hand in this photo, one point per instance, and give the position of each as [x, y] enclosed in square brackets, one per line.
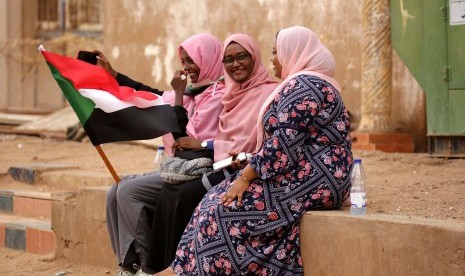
[236, 190]
[237, 164]
[179, 85]
[239, 186]
[186, 143]
[102, 61]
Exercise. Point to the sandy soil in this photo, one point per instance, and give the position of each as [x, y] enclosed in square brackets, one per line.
[400, 184]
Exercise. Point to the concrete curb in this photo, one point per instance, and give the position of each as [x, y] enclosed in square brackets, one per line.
[337, 243]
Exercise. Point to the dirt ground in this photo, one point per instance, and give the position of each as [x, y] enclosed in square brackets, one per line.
[400, 184]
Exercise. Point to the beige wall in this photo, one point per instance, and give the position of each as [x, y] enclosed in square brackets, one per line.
[408, 104]
[3, 60]
[26, 84]
[12, 31]
[141, 36]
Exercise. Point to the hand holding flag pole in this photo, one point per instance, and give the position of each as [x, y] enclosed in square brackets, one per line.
[109, 112]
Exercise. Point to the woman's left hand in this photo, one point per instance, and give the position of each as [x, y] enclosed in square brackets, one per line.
[187, 142]
[236, 190]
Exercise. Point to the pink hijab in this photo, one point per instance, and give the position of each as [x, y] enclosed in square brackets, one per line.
[203, 109]
[300, 52]
[242, 101]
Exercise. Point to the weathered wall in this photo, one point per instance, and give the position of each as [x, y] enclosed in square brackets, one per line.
[141, 37]
[25, 81]
[3, 60]
[408, 104]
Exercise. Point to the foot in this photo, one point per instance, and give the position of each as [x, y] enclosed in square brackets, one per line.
[141, 273]
[122, 272]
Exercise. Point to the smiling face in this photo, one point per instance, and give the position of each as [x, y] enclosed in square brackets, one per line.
[238, 62]
[189, 66]
[277, 67]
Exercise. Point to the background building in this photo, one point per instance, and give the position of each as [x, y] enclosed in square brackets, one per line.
[140, 38]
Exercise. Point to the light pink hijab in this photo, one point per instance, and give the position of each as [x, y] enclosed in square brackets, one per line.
[242, 101]
[300, 52]
[203, 109]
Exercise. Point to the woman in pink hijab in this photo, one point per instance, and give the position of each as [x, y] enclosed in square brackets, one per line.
[248, 85]
[131, 203]
[249, 224]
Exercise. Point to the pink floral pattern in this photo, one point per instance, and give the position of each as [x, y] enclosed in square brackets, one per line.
[303, 165]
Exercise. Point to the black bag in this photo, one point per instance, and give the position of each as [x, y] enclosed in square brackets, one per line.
[193, 154]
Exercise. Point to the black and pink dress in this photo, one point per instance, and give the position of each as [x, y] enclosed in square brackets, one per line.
[304, 164]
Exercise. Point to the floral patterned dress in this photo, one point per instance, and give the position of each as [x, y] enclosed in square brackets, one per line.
[303, 165]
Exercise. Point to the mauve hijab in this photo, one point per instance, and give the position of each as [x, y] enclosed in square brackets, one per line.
[242, 102]
[205, 50]
[300, 52]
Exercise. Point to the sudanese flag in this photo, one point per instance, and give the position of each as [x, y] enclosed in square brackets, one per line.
[109, 112]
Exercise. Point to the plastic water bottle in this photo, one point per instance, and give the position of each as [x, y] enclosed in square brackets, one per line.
[358, 190]
[159, 157]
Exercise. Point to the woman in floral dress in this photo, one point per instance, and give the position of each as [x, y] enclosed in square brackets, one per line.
[249, 224]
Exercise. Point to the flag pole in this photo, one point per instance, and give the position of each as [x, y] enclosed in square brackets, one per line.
[108, 164]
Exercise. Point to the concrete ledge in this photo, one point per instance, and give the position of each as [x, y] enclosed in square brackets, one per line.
[337, 243]
[332, 242]
[79, 223]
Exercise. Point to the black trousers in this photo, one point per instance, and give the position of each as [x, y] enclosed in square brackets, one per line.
[172, 214]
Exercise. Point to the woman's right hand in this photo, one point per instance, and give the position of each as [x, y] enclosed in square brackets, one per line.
[103, 62]
[237, 164]
[178, 83]
[179, 86]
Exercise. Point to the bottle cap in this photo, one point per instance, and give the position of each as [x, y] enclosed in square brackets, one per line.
[357, 161]
[161, 147]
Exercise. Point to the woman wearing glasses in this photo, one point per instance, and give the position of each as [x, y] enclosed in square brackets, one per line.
[248, 84]
[249, 224]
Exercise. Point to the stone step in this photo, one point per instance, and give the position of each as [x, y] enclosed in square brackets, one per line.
[26, 220]
[37, 205]
[29, 173]
[367, 138]
[26, 234]
[387, 142]
[57, 176]
[386, 147]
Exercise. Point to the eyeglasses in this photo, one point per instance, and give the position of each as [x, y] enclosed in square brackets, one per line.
[239, 58]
